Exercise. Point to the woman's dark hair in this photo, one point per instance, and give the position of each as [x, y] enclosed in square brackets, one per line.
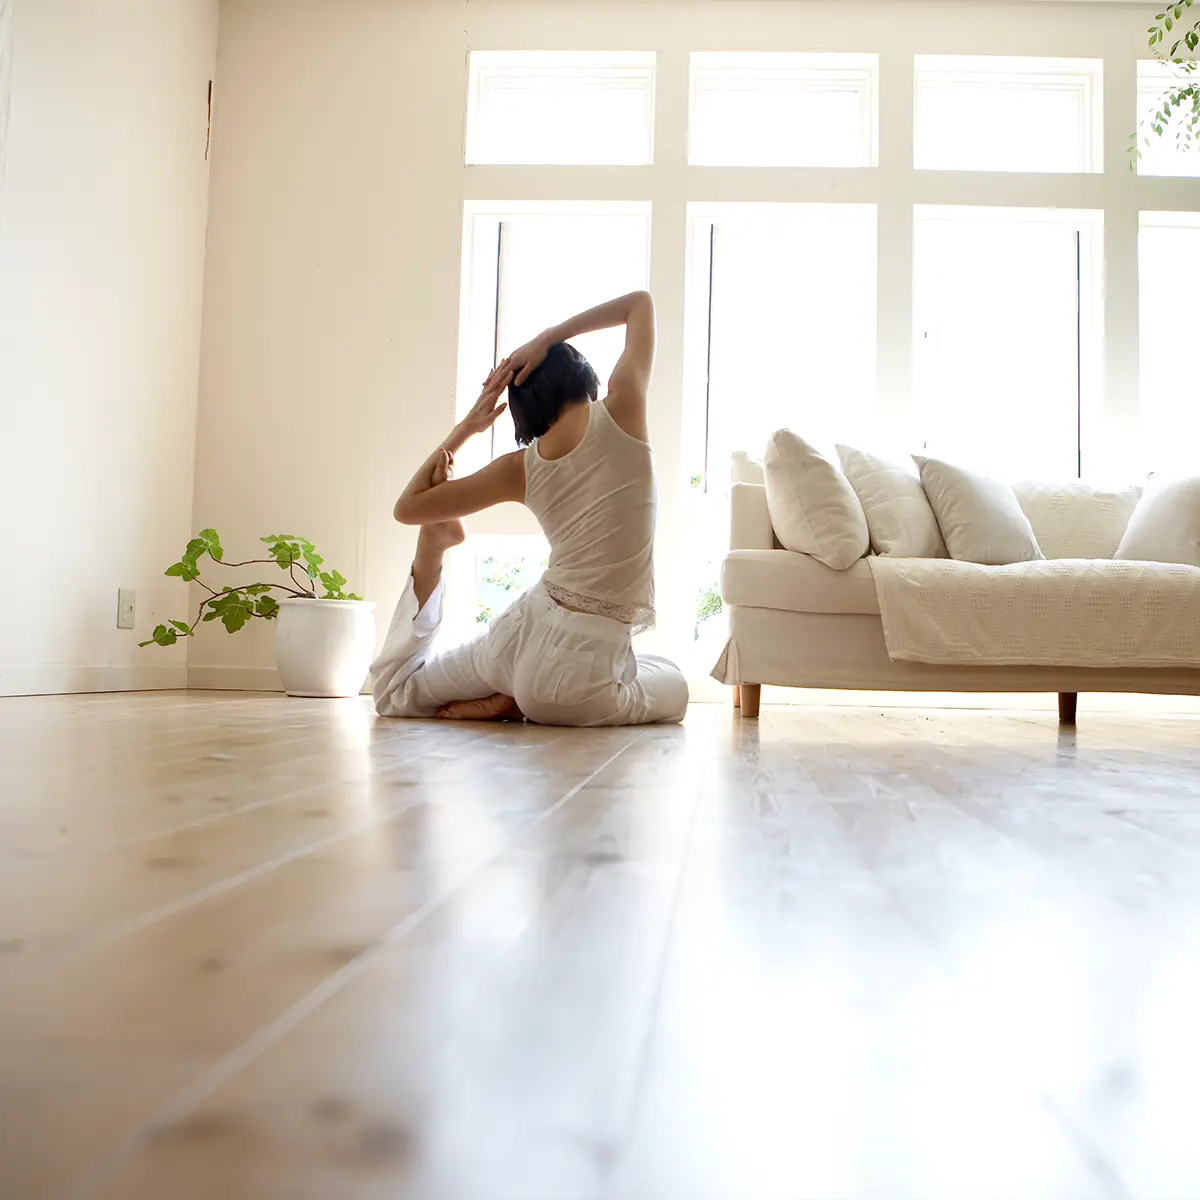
[563, 377]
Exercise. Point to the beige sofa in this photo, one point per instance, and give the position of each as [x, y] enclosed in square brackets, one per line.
[796, 623]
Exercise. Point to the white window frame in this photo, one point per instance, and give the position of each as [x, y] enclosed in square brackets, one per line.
[1082, 76]
[857, 73]
[602, 70]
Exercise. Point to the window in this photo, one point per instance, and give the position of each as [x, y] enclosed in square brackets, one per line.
[1007, 348]
[1177, 150]
[1008, 114]
[484, 577]
[529, 266]
[1168, 263]
[783, 110]
[781, 330]
[561, 108]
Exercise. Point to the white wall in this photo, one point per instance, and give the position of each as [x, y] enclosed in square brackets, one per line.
[102, 216]
[335, 223]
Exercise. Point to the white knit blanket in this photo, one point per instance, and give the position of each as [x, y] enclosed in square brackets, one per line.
[1064, 612]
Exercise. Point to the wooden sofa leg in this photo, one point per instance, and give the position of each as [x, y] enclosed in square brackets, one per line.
[1068, 703]
[737, 696]
[751, 697]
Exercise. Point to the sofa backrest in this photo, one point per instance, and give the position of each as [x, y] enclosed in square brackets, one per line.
[1070, 520]
[745, 469]
[1076, 519]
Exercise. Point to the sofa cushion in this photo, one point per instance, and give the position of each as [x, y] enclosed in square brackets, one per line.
[900, 522]
[979, 517]
[795, 582]
[1076, 519]
[813, 507]
[1165, 526]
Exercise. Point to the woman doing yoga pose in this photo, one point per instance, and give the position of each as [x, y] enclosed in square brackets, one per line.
[562, 654]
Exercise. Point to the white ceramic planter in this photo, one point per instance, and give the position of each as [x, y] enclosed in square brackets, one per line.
[324, 647]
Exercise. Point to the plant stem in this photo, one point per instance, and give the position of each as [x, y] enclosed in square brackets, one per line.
[292, 573]
[250, 561]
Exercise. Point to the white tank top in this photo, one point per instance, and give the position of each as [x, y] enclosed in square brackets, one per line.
[596, 506]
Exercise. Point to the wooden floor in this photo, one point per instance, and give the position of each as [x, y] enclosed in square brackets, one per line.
[261, 948]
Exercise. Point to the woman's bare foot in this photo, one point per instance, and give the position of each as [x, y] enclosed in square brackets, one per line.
[491, 708]
[441, 536]
[432, 543]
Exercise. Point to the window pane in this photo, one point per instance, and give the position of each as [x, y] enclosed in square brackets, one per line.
[550, 265]
[792, 325]
[1168, 265]
[1176, 151]
[565, 108]
[1007, 114]
[1001, 337]
[485, 576]
[783, 110]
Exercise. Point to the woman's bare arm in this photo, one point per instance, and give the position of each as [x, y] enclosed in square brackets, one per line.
[425, 501]
[630, 381]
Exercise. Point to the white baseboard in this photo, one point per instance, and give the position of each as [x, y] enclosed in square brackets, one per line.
[60, 678]
[234, 679]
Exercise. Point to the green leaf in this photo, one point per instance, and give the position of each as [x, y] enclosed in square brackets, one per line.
[256, 589]
[183, 627]
[211, 615]
[312, 560]
[187, 571]
[266, 606]
[234, 610]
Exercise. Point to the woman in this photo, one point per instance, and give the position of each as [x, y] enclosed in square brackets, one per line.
[562, 654]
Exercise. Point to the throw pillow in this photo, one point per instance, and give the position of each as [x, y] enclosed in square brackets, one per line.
[899, 519]
[979, 517]
[1074, 519]
[1165, 526]
[813, 507]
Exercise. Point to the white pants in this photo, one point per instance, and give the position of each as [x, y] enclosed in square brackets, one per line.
[561, 667]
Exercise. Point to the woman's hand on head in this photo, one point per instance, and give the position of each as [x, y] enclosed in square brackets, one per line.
[527, 358]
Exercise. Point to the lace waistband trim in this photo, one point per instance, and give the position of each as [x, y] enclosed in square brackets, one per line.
[641, 617]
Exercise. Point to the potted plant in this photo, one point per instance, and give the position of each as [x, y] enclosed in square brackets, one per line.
[323, 644]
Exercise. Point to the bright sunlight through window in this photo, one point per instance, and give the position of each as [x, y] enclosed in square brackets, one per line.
[1007, 345]
[1008, 114]
[784, 110]
[1168, 251]
[561, 108]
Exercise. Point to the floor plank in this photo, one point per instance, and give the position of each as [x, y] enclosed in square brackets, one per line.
[264, 948]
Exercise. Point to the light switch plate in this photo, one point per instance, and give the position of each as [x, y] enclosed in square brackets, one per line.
[126, 608]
